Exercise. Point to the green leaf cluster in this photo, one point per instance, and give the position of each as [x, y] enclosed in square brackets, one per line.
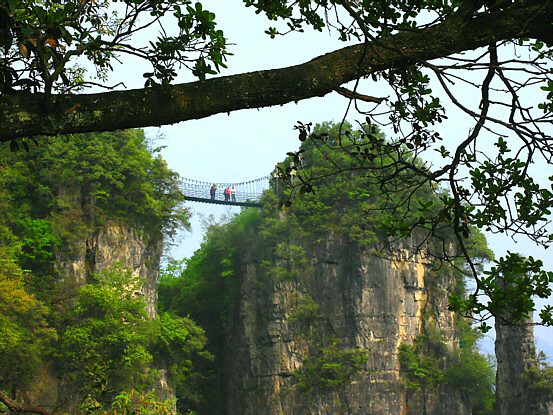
[86, 180]
[305, 310]
[471, 372]
[108, 343]
[42, 41]
[429, 363]
[25, 330]
[347, 183]
[181, 345]
[422, 362]
[494, 179]
[342, 203]
[104, 339]
[371, 19]
[512, 285]
[539, 380]
[332, 367]
[25, 333]
[132, 402]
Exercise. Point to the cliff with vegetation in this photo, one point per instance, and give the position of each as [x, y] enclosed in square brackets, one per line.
[310, 309]
[84, 219]
[332, 339]
[524, 379]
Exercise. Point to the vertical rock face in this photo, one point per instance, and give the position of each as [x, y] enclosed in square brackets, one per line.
[113, 245]
[516, 354]
[352, 298]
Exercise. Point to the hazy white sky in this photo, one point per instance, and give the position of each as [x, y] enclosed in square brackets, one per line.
[247, 144]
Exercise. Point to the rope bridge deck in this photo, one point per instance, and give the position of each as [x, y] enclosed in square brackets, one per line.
[247, 193]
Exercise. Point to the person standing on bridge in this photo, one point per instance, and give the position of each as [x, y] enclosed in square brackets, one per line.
[233, 193]
[227, 194]
[212, 191]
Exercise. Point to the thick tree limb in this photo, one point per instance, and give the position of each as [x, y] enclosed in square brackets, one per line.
[21, 407]
[25, 114]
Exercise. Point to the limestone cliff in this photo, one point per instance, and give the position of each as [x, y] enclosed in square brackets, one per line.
[358, 299]
[106, 247]
[305, 310]
[516, 355]
[110, 245]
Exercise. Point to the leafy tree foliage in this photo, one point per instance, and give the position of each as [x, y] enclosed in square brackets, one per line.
[42, 40]
[180, 345]
[25, 331]
[539, 380]
[428, 363]
[26, 334]
[416, 200]
[333, 368]
[90, 179]
[471, 372]
[134, 402]
[108, 343]
[104, 339]
[338, 180]
[97, 339]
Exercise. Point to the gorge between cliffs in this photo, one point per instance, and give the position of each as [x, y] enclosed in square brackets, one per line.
[307, 304]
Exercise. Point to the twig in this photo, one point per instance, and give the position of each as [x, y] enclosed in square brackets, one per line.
[356, 95]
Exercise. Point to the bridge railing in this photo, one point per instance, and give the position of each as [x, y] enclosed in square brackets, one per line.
[249, 191]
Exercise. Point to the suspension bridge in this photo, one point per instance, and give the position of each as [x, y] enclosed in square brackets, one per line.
[244, 193]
